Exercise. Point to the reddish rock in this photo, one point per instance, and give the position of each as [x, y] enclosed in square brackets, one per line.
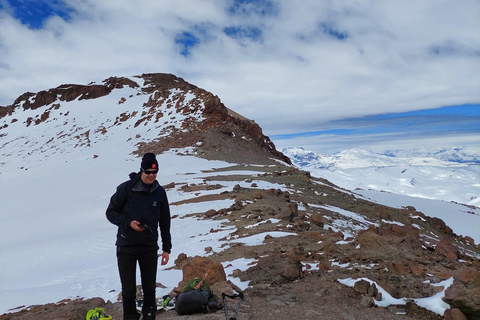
[397, 268]
[361, 286]
[197, 267]
[275, 269]
[454, 314]
[464, 294]
[417, 270]
[389, 242]
[447, 249]
[469, 240]
[335, 236]
[210, 213]
[316, 235]
[317, 219]
[257, 195]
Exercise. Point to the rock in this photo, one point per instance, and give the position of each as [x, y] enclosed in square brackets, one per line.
[417, 270]
[210, 213]
[367, 302]
[170, 185]
[335, 236]
[372, 290]
[397, 268]
[197, 267]
[464, 294]
[290, 212]
[469, 240]
[257, 195]
[317, 219]
[316, 235]
[277, 268]
[269, 211]
[180, 258]
[250, 254]
[454, 314]
[389, 242]
[74, 309]
[237, 205]
[361, 286]
[447, 249]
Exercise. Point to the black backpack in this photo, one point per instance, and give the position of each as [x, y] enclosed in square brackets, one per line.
[193, 301]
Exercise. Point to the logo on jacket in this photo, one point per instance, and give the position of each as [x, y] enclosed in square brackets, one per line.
[154, 203]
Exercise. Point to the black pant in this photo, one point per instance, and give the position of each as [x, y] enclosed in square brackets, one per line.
[147, 257]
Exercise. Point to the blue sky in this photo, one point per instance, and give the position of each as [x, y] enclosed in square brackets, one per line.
[322, 75]
[464, 118]
[34, 13]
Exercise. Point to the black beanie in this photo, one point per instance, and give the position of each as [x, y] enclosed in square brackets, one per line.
[149, 162]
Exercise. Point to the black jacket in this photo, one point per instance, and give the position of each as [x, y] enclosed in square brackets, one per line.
[132, 201]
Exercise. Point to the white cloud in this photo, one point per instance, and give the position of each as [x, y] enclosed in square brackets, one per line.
[395, 55]
[330, 144]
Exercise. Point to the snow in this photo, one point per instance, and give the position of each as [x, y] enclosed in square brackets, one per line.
[463, 220]
[442, 183]
[440, 174]
[56, 243]
[434, 303]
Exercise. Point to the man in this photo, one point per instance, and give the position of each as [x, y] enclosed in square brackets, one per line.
[139, 207]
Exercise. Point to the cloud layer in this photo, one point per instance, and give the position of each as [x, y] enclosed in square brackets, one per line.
[292, 67]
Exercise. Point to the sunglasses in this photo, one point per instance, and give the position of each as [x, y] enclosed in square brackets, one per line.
[150, 172]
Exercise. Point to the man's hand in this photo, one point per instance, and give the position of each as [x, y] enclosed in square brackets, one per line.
[135, 225]
[165, 257]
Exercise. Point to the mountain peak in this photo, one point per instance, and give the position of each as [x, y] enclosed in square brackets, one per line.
[154, 112]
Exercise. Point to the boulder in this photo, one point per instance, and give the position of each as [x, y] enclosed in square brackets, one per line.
[447, 249]
[277, 268]
[388, 239]
[317, 219]
[361, 286]
[454, 314]
[464, 294]
[197, 267]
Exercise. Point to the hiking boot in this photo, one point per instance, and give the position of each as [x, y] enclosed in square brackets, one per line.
[149, 313]
[132, 317]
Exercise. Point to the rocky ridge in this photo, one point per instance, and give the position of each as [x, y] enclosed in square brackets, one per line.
[176, 113]
[402, 250]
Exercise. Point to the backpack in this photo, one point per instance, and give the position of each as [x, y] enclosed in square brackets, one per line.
[193, 299]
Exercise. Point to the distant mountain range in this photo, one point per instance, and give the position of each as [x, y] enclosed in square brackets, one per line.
[451, 174]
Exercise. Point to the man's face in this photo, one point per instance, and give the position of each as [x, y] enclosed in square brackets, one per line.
[149, 176]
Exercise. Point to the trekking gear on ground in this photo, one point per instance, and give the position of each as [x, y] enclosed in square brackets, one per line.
[195, 296]
[193, 301]
[97, 314]
[199, 285]
[234, 317]
[167, 302]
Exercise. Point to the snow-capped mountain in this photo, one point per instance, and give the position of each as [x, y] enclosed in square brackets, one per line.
[150, 111]
[233, 197]
[443, 174]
